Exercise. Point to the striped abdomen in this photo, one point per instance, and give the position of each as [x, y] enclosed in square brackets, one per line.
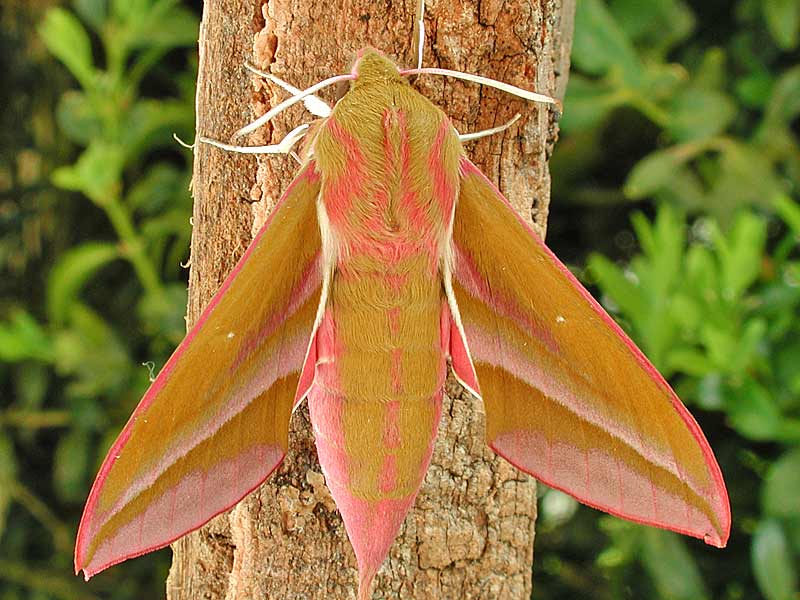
[376, 402]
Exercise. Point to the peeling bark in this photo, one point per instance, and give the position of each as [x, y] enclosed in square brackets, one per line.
[471, 532]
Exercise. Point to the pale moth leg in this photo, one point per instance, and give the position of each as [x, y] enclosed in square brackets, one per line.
[420, 27]
[314, 104]
[283, 147]
[466, 137]
[291, 102]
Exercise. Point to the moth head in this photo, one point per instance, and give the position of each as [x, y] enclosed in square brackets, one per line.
[373, 67]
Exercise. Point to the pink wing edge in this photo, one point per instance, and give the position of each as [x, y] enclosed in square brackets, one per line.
[464, 371]
[304, 384]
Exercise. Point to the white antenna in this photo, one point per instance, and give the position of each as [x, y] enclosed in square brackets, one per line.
[505, 87]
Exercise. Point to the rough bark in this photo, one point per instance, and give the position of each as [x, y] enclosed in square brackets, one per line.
[471, 532]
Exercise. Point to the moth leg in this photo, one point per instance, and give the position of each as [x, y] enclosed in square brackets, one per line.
[283, 147]
[294, 99]
[419, 30]
[314, 104]
[466, 137]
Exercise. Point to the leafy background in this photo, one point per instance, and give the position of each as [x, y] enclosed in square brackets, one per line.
[675, 197]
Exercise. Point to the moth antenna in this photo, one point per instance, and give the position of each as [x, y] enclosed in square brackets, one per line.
[283, 147]
[420, 32]
[314, 104]
[181, 142]
[291, 102]
[466, 137]
[505, 87]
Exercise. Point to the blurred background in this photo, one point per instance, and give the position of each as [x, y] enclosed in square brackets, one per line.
[676, 183]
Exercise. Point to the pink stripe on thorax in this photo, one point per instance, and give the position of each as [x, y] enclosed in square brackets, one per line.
[341, 192]
[443, 185]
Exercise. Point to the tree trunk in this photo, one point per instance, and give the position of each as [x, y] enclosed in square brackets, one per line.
[471, 532]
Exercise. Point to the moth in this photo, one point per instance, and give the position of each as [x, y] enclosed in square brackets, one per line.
[389, 255]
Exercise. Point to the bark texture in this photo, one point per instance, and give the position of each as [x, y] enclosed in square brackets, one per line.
[471, 532]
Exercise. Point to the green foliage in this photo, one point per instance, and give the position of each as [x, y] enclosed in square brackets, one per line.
[723, 114]
[68, 352]
[699, 118]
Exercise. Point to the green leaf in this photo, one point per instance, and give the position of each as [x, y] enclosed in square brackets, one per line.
[600, 45]
[721, 343]
[783, 21]
[711, 74]
[654, 171]
[8, 476]
[745, 177]
[160, 189]
[689, 361]
[91, 354]
[73, 269]
[150, 123]
[774, 566]
[663, 243]
[165, 314]
[94, 12]
[68, 41]
[23, 338]
[753, 412]
[702, 274]
[686, 311]
[786, 358]
[781, 489]
[587, 103]
[671, 567]
[612, 281]
[30, 384]
[755, 89]
[656, 23]
[128, 11]
[784, 103]
[168, 223]
[97, 173]
[789, 211]
[740, 253]
[71, 464]
[697, 114]
[685, 190]
[710, 392]
[77, 118]
[751, 340]
[165, 26]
